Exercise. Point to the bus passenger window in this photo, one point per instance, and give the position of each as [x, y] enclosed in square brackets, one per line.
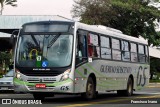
[116, 52]
[93, 46]
[125, 51]
[133, 52]
[141, 53]
[105, 47]
[90, 50]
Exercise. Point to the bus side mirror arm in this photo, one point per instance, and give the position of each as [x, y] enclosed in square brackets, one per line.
[14, 36]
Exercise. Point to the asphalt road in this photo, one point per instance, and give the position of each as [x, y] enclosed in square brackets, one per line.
[144, 98]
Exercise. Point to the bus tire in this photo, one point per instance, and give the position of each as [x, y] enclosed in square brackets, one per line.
[90, 90]
[38, 96]
[128, 91]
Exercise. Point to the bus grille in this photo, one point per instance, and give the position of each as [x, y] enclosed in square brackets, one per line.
[42, 73]
[41, 80]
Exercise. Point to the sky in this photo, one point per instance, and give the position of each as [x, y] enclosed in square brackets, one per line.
[41, 7]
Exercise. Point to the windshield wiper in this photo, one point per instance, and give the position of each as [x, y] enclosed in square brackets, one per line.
[53, 40]
[35, 41]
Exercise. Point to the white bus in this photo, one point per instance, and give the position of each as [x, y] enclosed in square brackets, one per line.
[65, 57]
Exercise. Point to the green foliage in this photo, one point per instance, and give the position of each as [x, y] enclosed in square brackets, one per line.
[154, 65]
[132, 17]
[5, 56]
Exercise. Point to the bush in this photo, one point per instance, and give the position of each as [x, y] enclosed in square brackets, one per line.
[5, 56]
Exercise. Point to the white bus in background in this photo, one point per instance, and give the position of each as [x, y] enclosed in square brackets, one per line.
[68, 57]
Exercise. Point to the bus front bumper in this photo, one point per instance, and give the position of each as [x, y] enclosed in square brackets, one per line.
[57, 87]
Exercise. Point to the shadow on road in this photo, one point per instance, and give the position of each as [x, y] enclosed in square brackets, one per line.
[7, 92]
[78, 99]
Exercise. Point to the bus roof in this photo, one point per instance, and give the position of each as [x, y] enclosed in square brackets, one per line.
[93, 28]
[47, 22]
[109, 32]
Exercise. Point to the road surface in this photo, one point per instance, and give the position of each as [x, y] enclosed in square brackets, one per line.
[144, 98]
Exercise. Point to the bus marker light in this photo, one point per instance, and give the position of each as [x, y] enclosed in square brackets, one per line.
[76, 79]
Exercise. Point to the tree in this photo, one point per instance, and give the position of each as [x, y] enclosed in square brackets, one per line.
[5, 58]
[7, 2]
[154, 66]
[132, 17]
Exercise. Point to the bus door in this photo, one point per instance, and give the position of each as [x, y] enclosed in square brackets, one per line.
[81, 51]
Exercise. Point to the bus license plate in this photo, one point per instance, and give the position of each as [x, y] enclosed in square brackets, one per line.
[40, 85]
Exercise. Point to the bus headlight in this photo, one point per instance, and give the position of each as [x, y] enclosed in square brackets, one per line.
[18, 75]
[65, 75]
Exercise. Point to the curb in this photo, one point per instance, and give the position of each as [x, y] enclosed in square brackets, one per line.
[153, 86]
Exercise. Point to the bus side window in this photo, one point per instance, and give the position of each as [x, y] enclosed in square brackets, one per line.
[105, 47]
[81, 51]
[146, 51]
[93, 46]
[116, 52]
[133, 52]
[141, 53]
[125, 50]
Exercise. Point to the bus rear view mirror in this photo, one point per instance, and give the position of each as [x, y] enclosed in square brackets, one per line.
[12, 39]
[14, 36]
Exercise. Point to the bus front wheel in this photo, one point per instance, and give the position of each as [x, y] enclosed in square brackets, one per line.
[90, 89]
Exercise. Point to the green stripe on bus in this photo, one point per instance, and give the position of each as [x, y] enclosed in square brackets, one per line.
[85, 68]
[101, 85]
[17, 81]
[80, 73]
[20, 82]
[94, 70]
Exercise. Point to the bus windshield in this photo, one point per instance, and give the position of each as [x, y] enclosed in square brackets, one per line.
[44, 50]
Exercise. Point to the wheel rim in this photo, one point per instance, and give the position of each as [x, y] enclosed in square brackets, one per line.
[130, 88]
[90, 89]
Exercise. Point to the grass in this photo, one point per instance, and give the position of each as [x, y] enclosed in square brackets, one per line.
[157, 81]
[158, 73]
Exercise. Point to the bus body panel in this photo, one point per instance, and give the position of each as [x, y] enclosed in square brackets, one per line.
[111, 75]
